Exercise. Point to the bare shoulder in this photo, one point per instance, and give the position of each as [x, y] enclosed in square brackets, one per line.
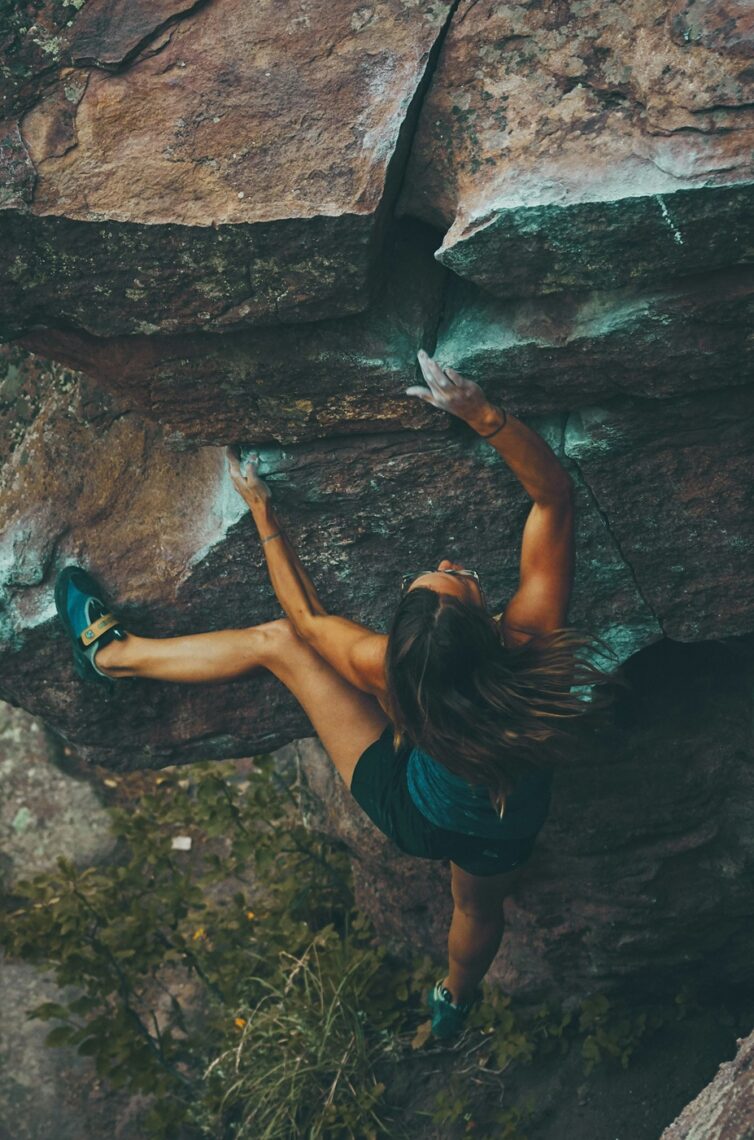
[510, 636]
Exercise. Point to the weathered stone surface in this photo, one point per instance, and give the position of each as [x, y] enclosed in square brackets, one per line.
[240, 174]
[109, 33]
[588, 146]
[19, 176]
[724, 1110]
[673, 480]
[547, 354]
[52, 1092]
[641, 873]
[32, 45]
[167, 534]
[43, 814]
[314, 380]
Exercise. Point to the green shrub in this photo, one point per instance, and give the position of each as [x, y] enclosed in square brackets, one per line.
[204, 976]
[236, 985]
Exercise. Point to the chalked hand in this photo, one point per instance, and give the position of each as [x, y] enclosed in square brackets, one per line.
[252, 489]
[450, 392]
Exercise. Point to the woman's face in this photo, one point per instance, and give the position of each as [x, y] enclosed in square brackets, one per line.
[460, 586]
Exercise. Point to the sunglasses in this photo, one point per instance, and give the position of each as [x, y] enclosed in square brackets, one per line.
[407, 579]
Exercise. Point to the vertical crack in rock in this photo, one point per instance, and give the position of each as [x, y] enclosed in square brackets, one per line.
[603, 515]
[414, 112]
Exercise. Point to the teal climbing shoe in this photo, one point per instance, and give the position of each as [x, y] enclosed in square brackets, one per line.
[448, 1018]
[87, 620]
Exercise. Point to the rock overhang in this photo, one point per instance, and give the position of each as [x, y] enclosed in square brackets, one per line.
[255, 155]
[585, 149]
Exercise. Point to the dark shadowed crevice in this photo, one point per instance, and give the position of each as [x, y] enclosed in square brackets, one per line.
[395, 174]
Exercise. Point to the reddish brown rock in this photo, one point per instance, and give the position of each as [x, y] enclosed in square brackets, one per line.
[569, 349]
[673, 480]
[168, 535]
[238, 171]
[640, 875]
[315, 380]
[109, 33]
[590, 147]
[724, 1110]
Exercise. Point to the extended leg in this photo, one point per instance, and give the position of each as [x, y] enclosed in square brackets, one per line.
[198, 658]
[476, 929]
[345, 719]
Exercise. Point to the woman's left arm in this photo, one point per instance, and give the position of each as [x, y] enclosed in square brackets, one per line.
[355, 652]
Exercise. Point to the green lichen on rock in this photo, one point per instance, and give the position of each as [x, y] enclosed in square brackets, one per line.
[32, 45]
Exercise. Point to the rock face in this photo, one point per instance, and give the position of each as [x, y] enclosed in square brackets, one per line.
[43, 814]
[724, 1110]
[199, 224]
[589, 147]
[171, 540]
[210, 165]
[318, 379]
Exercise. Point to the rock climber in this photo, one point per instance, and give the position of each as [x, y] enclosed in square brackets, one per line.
[444, 728]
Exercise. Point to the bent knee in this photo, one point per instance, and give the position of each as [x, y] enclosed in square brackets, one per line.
[276, 642]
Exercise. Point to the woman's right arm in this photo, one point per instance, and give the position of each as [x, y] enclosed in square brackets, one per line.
[541, 601]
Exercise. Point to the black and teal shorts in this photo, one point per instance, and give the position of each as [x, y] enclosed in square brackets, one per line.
[380, 787]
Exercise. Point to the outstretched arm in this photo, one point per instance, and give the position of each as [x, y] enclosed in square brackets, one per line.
[541, 600]
[355, 651]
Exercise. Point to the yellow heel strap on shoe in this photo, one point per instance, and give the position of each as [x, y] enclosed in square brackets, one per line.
[97, 628]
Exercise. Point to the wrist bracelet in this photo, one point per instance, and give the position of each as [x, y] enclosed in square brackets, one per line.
[277, 534]
[497, 429]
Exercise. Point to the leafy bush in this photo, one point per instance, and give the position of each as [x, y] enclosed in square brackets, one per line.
[205, 975]
[229, 977]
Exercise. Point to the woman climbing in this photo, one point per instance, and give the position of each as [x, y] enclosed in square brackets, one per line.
[442, 728]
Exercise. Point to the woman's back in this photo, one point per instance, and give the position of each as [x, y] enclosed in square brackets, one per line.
[451, 802]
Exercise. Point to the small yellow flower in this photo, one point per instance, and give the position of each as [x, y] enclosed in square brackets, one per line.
[239, 1022]
[250, 914]
[200, 934]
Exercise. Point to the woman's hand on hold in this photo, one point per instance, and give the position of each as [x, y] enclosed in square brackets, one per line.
[252, 489]
[450, 392]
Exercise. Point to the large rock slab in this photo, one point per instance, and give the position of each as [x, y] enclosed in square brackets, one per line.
[673, 480]
[317, 379]
[571, 349]
[167, 533]
[640, 875]
[588, 146]
[43, 814]
[236, 169]
[724, 1110]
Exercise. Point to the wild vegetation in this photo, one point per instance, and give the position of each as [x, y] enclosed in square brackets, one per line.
[219, 966]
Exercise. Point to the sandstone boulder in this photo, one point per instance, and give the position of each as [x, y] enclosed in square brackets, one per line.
[210, 165]
[87, 482]
[43, 814]
[313, 380]
[569, 349]
[588, 147]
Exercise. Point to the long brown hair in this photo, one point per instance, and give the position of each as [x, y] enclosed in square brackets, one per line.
[482, 709]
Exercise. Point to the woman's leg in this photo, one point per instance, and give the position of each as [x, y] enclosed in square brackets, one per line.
[198, 658]
[476, 929]
[345, 719]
